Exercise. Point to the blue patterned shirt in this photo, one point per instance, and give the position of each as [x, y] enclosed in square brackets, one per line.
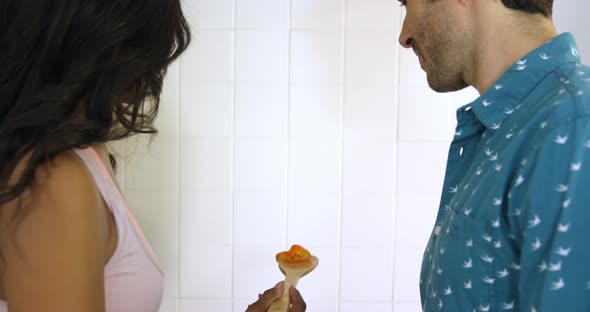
[513, 228]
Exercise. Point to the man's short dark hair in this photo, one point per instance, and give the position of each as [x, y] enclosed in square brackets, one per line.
[544, 7]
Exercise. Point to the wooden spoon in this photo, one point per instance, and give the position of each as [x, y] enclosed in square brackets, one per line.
[293, 272]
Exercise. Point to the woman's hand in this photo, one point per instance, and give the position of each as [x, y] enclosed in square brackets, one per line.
[274, 294]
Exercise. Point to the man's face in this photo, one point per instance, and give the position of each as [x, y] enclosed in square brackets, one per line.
[432, 28]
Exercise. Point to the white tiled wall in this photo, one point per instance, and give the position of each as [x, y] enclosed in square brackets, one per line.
[292, 121]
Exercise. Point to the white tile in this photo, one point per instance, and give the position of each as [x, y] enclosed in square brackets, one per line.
[206, 218]
[169, 305]
[407, 307]
[262, 57]
[366, 306]
[315, 166]
[262, 14]
[367, 219]
[255, 269]
[157, 214]
[368, 165]
[317, 14]
[321, 285]
[371, 109]
[209, 58]
[167, 120]
[373, 15]
[206, 164]
[315, 111]
[371, 59]
[206, 272]
[313, 218]
[321, 305]
[261, 111]
[465, 96]
[259, 164]
[206, 14]
[316, 57]
[425, 115]
[406, 282]
[411, 75]
[367, 274]
[207, 110]
[240, 305]
[421, 168]
[205, 305]
[259, 219]
[168, 261]
[152, 167]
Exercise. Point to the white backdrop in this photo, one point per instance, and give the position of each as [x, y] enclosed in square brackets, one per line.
[296, 121]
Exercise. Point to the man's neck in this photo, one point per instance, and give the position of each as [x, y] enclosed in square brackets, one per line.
[501, 47]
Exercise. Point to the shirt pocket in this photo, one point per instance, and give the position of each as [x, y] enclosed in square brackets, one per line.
[462, 276]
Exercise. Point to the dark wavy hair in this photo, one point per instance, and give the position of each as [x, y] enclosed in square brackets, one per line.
[79, 72]
[544, 7]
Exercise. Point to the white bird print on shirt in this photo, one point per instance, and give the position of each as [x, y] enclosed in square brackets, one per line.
[440, 304]
[509, 135]
[488, 280]
[559, 284]
[497, 201]
[494, 157]
[489, 152]
[534, 222]
[468, 264]
[484, 308]
[517, 212]
[496, 223]
[448, 291]
[503, 273]
[580, 93]
[576, 166]
[508, 111]
[467, 285]
[487, 259]
[479, 171]
[543, 124]
[562, 188]
[587, 144]
[498, 86]
[543, 266]
[454, 189]
[486, 103]
[536, 245]
[439, 271]
[567, 203]
[575, 51]
[519, 180]
[544, 56]
[522, 62]
[487, 237]
[563, 228]
[442, 251]
[467, 211]
[508, 306]
[521, 67]
[433, 294]
[498, 167]
[495, 126]
[564, 252]
[515, 266]
[554, 267]
[458, 133]
[497, 244]
[561, 139]
[469, 243]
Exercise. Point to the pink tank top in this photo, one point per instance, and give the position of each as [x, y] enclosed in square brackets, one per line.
[133, 280]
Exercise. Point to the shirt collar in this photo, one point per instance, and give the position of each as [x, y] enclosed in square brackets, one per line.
[502, 98]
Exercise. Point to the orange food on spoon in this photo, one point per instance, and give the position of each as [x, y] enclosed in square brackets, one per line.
[296, 254]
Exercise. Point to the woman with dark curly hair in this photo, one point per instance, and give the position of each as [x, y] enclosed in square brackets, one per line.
[74, 75]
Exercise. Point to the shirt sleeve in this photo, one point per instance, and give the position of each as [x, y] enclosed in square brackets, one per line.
[551, 211]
